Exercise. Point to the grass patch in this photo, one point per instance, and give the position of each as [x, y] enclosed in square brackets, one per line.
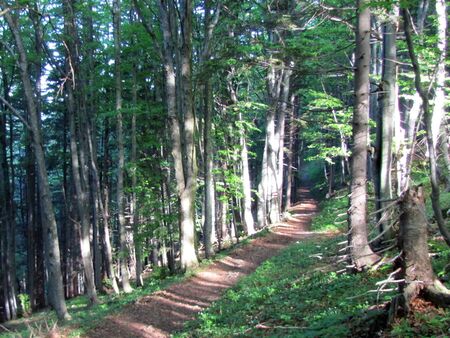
[333, 213]
[83, 316]
[297, 293]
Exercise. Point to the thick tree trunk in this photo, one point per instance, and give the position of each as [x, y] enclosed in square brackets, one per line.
[52, 254]
[185, 166]
[188, 257]
[416, 269]
[274, 79]
[361, 254]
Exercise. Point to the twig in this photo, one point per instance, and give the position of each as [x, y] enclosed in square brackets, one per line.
[5, 328]
[16, 113]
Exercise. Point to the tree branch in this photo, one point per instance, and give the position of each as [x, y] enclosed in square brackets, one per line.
[16, 113]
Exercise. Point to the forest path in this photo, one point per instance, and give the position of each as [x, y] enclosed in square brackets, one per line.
[166, 311]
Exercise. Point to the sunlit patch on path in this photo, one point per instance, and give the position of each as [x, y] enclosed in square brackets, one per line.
[166, 311]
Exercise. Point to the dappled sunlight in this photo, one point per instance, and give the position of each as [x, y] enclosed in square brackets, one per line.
[166, 311]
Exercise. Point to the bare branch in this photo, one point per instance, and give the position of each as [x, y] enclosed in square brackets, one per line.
[16, 113]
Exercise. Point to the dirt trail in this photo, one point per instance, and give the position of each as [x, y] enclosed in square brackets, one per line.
[165, 312]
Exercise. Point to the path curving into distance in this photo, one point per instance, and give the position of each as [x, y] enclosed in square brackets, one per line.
[165, 312]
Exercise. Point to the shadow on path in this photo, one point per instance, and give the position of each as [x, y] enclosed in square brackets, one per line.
[166, 311]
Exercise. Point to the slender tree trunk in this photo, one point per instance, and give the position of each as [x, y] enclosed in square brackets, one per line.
[263, 191]
[81, 202]
[290, 154]
[77, 153]
[103, 207]
[249, 224]
[7, 230]
[280, 130]
[210, 202]
[361, 254]
[124, 252]
[428, 119]
[387, 113]
[52, 254]
[439, 122]
[134, 208]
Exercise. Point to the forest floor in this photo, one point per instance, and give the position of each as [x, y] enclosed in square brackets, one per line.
[165, 312]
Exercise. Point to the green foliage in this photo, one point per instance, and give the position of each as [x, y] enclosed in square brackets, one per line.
[25, 305]
[85, 317]
[333, 214]
[296, 293]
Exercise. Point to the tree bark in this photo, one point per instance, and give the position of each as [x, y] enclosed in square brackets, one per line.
[210, 201]
[416, 269]
[134, 208]
[51, 243]
[290, 154]
[185, 166]
[79, 176]
[124, 252]
[388, 106]
[7, 230]
[428, 118]
[361, 254]
[280, 130]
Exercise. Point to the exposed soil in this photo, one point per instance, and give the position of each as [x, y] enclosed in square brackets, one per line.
[166, 311]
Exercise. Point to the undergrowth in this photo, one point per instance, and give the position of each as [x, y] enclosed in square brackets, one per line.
[297, 293]
[303, 292]
[85, 317]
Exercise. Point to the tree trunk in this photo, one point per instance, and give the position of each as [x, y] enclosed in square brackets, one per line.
[416, 269]
[280, 130]
[290, 154]
[361, 254]
[210, 202]
[134, 208]
[263, 191]
[81, 202]
[7, 230]
[274, 79]
[388, 105]
[428, 118]
[124, 254]
[185, 166]
[79, 176]
[439, 123]
[51, 243]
